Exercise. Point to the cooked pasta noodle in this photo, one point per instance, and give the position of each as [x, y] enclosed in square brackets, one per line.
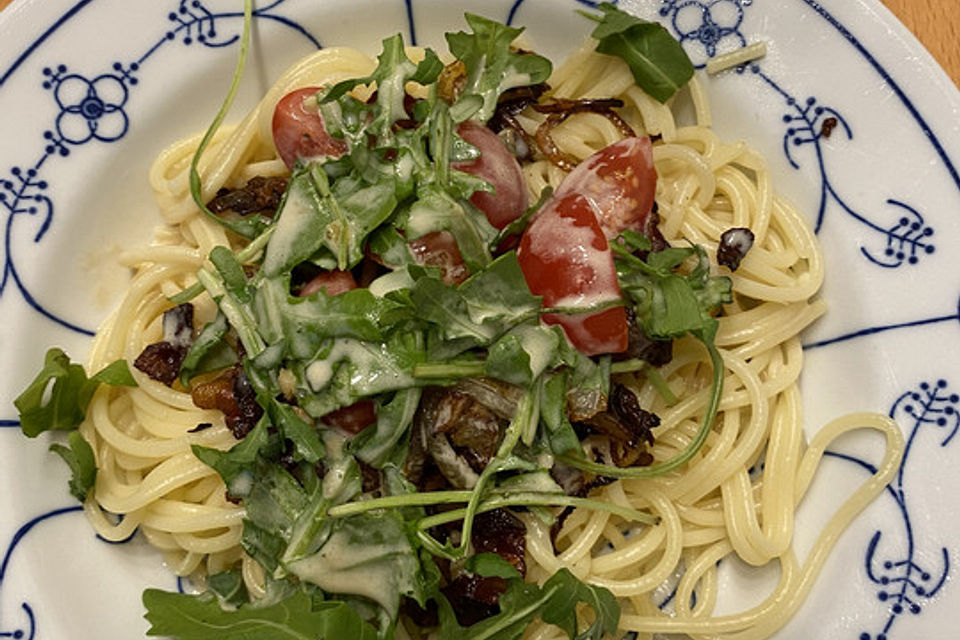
[711, 508]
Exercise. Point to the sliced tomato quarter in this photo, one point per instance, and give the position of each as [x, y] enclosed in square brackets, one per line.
[565, 258]
[619, 182]
[564, 252]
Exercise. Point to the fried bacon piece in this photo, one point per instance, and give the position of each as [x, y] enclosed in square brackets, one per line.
[474, 597]
[559, 109]
[628, 426]
[162, 360]
[504, 121]
[232, 394]
[259, 195]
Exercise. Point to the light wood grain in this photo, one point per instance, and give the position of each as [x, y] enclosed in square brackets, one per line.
[936, 23]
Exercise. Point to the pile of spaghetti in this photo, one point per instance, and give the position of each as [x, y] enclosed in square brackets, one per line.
[470, 347]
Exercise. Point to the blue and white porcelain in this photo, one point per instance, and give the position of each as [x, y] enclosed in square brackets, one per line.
[90, 90]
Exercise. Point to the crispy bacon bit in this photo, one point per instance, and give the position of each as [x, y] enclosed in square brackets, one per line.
[733, 247]
[232, 394]
[628, 426]
[473, 597]
[504, 121]
[559, 109]
[259, 195]
[829, 124]
[162, 360]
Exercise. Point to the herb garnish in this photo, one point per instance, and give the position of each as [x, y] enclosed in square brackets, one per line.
[657, 61]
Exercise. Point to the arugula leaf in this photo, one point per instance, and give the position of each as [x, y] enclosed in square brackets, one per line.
[297, 617]
[383, 441]
[499, 294]
[229, 587]
[353, 369]
[478, 311]
[491, 565]
[231, 271]
[239, 460]
[657, 61]
[669, 304]
[316, 215]
[523, 354]
[492, 67]
[210, 351]
[561, 608]
[368, 555]
[57, 398]
[306, 323]
[436, 210]
[117, 373]
[555, 602]
[394, 70]
[83, 466]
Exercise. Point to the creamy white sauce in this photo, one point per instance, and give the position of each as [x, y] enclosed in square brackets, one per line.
[292, 222]
[337, 568]
[366, 361]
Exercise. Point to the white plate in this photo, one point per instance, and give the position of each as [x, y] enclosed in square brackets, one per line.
[89, 91]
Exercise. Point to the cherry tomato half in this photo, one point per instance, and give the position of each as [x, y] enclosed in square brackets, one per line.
[332, 282]
[497, 166]
[353, 418]
[565, 258]
[439, 249]
[619, 182]
[298, 130]
[564, 253]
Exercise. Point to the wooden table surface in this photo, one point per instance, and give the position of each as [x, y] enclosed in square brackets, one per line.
[936, 23]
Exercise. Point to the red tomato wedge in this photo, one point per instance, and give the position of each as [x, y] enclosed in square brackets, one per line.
[565, 258]
[356, 417]
[353, 418]
[333, 283]
[299, 132]
[564, 253]
[497, 166]
[439, 249]
[619, 182]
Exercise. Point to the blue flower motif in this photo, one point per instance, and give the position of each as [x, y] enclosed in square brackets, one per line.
[706, 28]
[90, 109]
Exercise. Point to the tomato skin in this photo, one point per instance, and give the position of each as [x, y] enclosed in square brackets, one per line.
[332, 282]
[439, 249]
[565, 257]
[299, 132]
[500, 168]
[619, 182]
[353, 418]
